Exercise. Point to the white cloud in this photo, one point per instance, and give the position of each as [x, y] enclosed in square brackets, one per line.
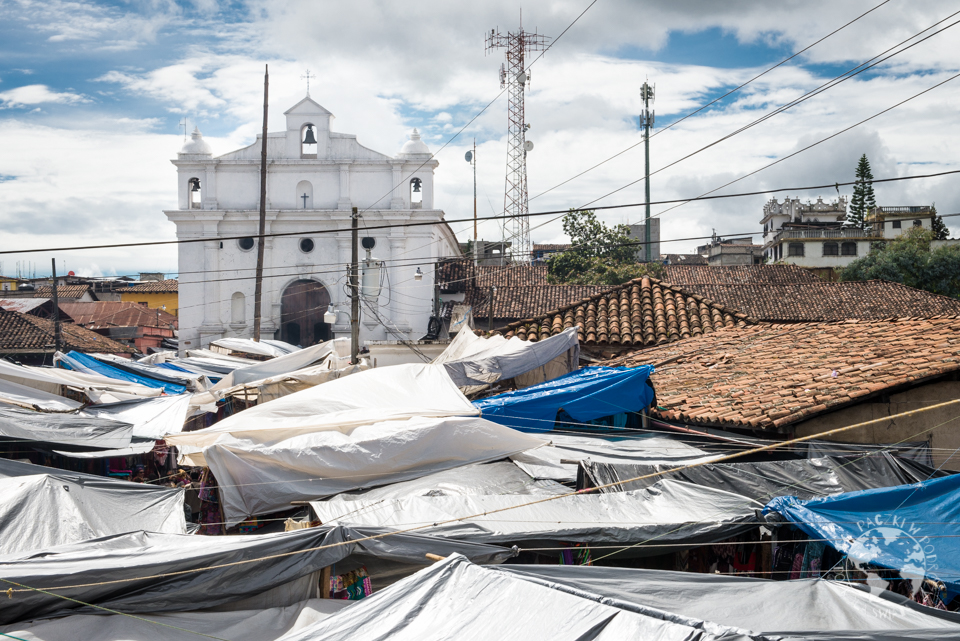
[30, 95]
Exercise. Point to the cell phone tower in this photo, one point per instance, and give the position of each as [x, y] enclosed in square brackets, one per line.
[515, 77]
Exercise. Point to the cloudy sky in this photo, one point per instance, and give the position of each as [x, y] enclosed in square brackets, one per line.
[92, 95]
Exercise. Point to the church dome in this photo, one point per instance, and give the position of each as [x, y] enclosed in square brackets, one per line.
[197, 145]
[414, 146]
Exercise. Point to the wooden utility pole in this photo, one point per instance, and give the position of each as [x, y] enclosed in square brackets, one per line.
[258, 291]
[57, 330]
[490, 309]
[354, 290]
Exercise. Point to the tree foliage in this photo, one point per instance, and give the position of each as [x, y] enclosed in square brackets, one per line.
[599, 255]
[940, 230]
[909, 260]
[863, 199]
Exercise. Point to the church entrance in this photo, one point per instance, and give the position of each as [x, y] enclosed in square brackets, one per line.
[301, 313]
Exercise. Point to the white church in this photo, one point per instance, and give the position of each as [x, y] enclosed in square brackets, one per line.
[314, 178]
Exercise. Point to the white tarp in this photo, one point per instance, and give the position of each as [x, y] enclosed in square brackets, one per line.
[665, 512]
[43, 510]
[152, 418]
[269, 389]
[32, 398]
[259, 474]
[283, 364]
[97, 388]
[242, 625]
[250, 346]
[474, 362]
[559, 460]
[380, 394]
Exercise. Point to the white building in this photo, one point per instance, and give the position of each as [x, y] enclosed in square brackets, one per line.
[311, 189]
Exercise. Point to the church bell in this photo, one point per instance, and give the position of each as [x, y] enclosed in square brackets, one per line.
[309, 138]
[196, 185]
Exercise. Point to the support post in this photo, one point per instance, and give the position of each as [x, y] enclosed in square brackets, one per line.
[57, 329]
[354, 291]
[490, 309]
[258, 288]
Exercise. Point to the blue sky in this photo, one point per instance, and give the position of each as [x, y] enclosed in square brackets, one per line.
[91, 94]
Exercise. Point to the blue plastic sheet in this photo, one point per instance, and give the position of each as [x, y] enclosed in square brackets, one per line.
[82, 362]
[911, 528]
[585, 395]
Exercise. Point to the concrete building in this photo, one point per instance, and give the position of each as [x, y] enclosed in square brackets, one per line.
[314, 177]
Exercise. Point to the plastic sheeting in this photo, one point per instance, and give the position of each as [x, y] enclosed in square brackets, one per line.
[263, 475]
[911, 528]
[95, 386]
[806, 608]
[258, 348]
[88, 365]
[559, 460]
[286, 363]
[670, 511]
[136, 556]
[455, 599]
[31, 398]
[474, 362]
[45, 509]
[152, 418]
[381, 394]
[761, 481]
[585, 395]
[64, 429]
[268, 624]
[192, 381]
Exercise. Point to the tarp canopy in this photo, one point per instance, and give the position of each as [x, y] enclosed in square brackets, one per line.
[118, 568]
[152, 418]
[474, 362]
[800, 609]
[585, 395]
[258, 348]
[31, 398]
[558, 461]
[192, 381]
[270, 389]
[910, 528]
[286, 363]
[54, 507]
[64, 429]
[761, 481]
[85, 364]
[268, 624]
[263, 475]
[668, 512]
[380, 394]
[53, 380]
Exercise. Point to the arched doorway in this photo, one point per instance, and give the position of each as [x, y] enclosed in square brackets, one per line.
[301, 313]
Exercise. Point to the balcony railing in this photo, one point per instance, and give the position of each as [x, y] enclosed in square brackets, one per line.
[827, 233]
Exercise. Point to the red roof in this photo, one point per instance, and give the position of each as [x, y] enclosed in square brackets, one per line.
[117, 314]
[26, 334]
[154, 287]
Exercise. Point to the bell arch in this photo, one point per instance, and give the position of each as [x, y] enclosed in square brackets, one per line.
[302, 306]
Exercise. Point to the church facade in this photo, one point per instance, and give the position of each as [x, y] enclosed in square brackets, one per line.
[315, 177]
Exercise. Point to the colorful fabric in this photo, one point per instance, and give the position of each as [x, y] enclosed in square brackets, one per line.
[351, 586]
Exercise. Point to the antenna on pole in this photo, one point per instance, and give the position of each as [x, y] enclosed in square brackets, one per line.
[646, 124]
[515, 77]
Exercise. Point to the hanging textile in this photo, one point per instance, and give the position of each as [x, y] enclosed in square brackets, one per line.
[353, 585]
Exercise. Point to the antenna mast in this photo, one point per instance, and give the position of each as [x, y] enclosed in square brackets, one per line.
[515, 78]
[646, 123]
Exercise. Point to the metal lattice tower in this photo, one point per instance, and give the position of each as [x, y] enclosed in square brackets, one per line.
[515, 78]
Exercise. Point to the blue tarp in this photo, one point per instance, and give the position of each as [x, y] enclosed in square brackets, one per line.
[83, 363]
[585, 395]
[911, 528]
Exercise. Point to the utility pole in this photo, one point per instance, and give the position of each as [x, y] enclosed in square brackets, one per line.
[354, 290]
[57, 332]
[490, 309]
[258, 291]
[646, 123]
[474, 163]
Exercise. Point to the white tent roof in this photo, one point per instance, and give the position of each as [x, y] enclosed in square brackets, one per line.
[97, 388]
[33, 398]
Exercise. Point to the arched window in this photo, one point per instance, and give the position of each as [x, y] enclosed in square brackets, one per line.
[848, 249]
[918, 223]
[831, 249]
[194, 194]
[304, 195]
[238, 308]
[416, 193]
[308, 141]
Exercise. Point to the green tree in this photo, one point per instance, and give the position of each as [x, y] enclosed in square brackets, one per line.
[909, 260]
[599, 255]
[863, 199]
[940, 231]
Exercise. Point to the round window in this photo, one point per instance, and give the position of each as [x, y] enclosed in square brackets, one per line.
[306, 245]
[246, 244]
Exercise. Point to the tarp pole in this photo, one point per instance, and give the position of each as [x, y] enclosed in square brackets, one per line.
[258, 288]
[57, 330]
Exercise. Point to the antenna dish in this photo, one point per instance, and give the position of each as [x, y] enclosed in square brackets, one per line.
[522, 78]
[368, 242]
[468, 156]
[528, 146]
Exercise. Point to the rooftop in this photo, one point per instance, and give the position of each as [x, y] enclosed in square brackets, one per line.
[26, 334]
[687, 275]
[527, 301]
[103, 314]
[64, 292]
[770, 376]
[155, 286]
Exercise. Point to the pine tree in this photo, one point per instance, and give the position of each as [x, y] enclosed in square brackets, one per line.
[940, 231]
[863, 199]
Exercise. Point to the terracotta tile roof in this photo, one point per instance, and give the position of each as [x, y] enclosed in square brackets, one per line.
[687, 275]
[154, 287]
[117, 314]
[26, 334]
[684, 259]
[770, 376]
[527, 302]
[71, 292]
[641, 312]
[461, 274]
[825, 301]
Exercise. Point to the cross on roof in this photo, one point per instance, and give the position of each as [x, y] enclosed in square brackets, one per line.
[307, 76]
